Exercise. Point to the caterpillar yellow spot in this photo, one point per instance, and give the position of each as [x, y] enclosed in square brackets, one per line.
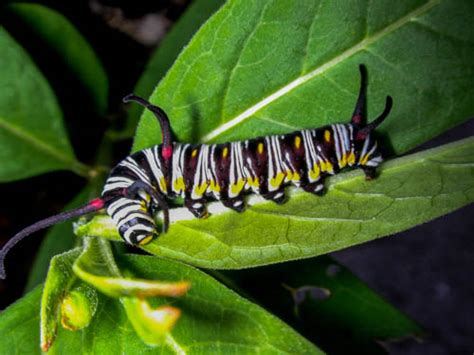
[343, 161]
[214, 186]
[163, 184]
[292, 175]
[236, 188]
[146, 240]
[201, 189]
[178, 184]
[260, 148]
[326, 166]
[225, 152]
[277, 180]
[194, 153]
[351, 158]
[364, 159]
[144, 203]
[314, 173]
[253, 182]
[297, 142]
[327, 136]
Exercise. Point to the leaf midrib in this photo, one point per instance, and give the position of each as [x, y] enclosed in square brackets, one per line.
[70, 162]
[319, 70]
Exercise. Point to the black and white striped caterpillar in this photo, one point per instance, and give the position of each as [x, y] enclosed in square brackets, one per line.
[141, 184]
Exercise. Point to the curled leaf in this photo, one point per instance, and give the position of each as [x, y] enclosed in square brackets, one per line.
[59, 280]
[151, 324]
[97, 267]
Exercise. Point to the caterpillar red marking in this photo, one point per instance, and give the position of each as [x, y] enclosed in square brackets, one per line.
[143, 182]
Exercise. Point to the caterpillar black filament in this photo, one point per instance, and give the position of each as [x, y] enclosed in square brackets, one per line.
[142, 183]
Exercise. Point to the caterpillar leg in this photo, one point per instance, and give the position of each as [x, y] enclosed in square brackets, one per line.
[370, 172]
[196, 207]
[237, 204]
[316, 188]
[277, 196]
[134, 190]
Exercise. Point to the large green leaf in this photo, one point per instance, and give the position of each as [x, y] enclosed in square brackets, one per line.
[273, 66]
[164, 56]
[350, 316]
[214, 320]
[63, 38]
[409, 191]
[32, 136]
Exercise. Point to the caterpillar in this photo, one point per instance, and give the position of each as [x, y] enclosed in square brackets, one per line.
[142, 183]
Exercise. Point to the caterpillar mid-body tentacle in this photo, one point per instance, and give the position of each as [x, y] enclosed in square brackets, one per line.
[142, 183]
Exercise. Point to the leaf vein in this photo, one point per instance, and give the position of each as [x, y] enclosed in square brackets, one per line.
[319, 70]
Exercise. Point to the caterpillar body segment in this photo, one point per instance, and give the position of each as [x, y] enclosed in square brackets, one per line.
[143, 182]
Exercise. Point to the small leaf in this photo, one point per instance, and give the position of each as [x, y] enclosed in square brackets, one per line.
[409, 191]
[78, 307]
[326, 303]
[96, 267]
[60, 278]
[63, 38]
[274, 66]
[164, 56]
[214, 320]
[31, 125]
[152, 325]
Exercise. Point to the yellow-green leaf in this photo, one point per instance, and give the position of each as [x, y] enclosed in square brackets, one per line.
[409, 191]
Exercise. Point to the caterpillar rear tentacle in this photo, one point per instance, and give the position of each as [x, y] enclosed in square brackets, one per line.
[141, 183]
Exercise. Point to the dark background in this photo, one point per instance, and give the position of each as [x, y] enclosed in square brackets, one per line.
[426, 271]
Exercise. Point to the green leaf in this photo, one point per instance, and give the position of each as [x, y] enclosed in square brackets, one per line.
[152, 325]
[164, 56]
[409, 191]
[59, 281]
[214, 320]
[63, 38]
[352, 317]
[78, 307]
[20, 325]
[274, 66]
[58, 240]
[32, 136]
[97, 267]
